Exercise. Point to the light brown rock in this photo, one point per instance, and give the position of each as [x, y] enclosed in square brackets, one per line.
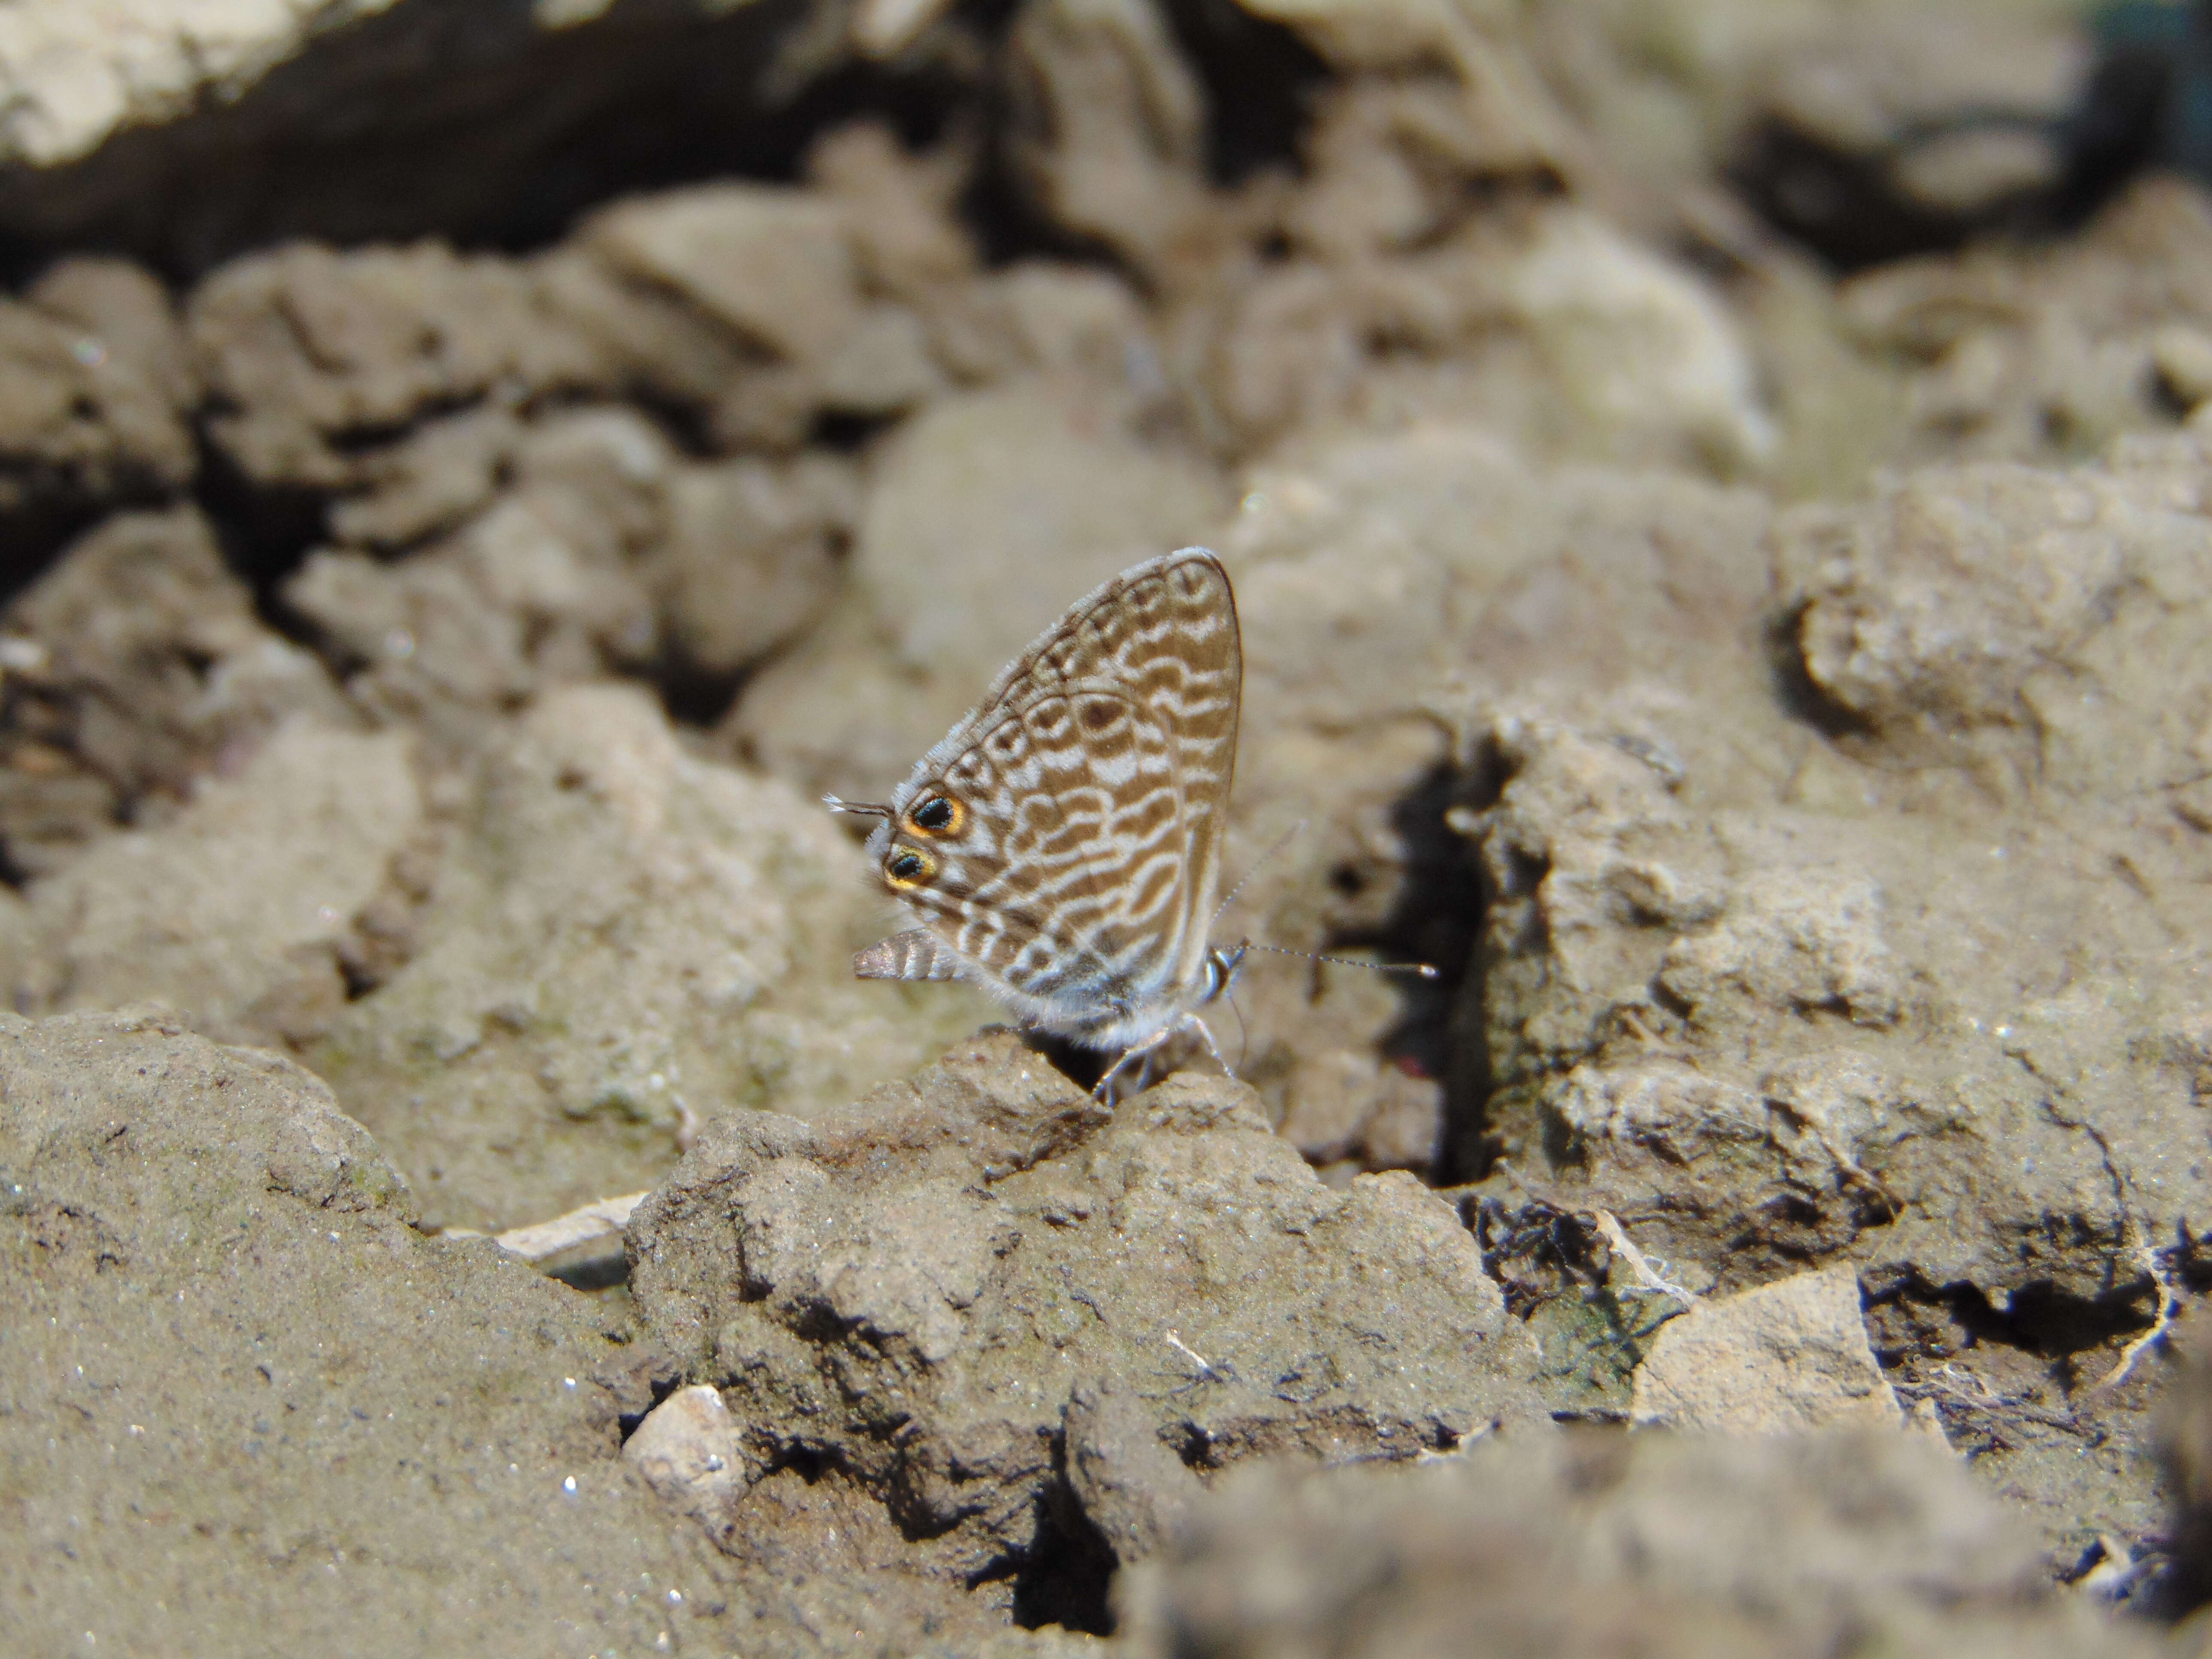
[751, 557]
[625, 942]
[918, 1284]
[1786, 1358]
[128, 318]
[688, 1451]
[774, 265]
[305, 346]
[138, 665]
[93, 403]
[238, 916]
[1666, 1547]
[1109, 129]
[2043, 354]
[985, 516]
[541, 583]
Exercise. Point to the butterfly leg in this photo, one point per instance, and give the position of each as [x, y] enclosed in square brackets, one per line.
[1206, 1034]
[1142, 1053]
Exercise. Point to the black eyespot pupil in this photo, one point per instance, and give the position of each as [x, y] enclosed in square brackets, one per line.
[907, 865]
[934, 813]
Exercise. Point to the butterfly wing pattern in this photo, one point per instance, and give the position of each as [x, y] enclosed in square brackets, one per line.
[1062, 846]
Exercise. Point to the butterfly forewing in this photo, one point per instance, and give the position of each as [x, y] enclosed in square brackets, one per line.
[1066, 838]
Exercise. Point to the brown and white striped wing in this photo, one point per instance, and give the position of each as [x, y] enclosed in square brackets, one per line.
[1065, 839]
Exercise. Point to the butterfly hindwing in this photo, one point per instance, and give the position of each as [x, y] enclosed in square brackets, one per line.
[1059, 803]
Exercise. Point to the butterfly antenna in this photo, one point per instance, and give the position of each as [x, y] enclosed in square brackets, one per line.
[858, 808]
[1258, 864]
[1425, 970]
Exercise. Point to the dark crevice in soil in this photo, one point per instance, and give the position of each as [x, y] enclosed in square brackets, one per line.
[1063, 1577]
[15, 878]
[1535, 1250]
[1793, 688]
[553, 124]
[1006, 227]
[2129, 115]
[2054, 1332]
[663, 1386]
[1196, 1450]
[1079, 1066]
[1437, 919]
[1845, 205]
[694, 697]
[998, 210]
[601, 1272]
[546, 125]
[810, 1463]
[33, 538]
[848, 434]
[706, 121]
[1260, 79]
[264, 534]
[1433, 921]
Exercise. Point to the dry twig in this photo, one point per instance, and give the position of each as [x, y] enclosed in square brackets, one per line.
[1647, 1271]
[2169, 1308]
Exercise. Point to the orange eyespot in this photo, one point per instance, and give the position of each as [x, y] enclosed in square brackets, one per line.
[908, 867]
[937, 815]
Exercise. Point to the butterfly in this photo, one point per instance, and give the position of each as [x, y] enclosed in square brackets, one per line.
[1062, 845]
